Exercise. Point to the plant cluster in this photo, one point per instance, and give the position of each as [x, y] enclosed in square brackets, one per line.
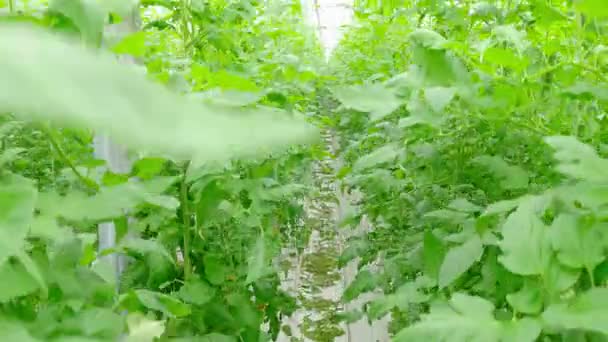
[217, 92]
[475, 131]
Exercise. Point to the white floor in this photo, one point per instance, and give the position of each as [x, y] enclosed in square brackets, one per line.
[329, 18]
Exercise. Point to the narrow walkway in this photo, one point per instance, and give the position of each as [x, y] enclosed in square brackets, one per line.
[314, 276]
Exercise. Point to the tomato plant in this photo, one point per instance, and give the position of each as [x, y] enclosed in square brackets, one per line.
[469, 134]
[473, 127]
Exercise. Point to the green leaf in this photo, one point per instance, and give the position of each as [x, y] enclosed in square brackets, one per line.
[468, 319]
[256, 265]
[197, 292]
[526, 329]
[146, 168]
[134, 44]
[592, 8]
[364, 281]
[232, 98]
[428, 39]
[145, 246]
[16, 331]
[512, 177]
[406, 294]
[142, 329]
[16, 282]
[97, 92]
[529, 299]
[504, 57]
[474, 323]
[503, 206]
[509, 34]
[163, 303]
[587, 311]
[375, 99]
[120, 7]
[578, 160]
[448, 215]
[525, 245]
[577, 244]
[17, 201]
[215, 271]
[586, 91]
[98, 322]
[216, 337]
[434, 251]
[439, 97]
[459, 259]
[382, 155]
[463, 205]
[34, 271]
[87, 15]
[9, 155]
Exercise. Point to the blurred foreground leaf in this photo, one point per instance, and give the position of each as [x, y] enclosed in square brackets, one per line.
[46, 77]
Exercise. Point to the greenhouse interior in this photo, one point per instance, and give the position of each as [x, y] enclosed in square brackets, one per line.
[304, 170]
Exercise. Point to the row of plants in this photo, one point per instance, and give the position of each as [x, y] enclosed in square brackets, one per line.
[475, 131]
[215, 115]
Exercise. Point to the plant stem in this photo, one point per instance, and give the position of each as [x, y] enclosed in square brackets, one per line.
[591, 276]
[186, 222]
[11, 6]
[63, 156]
[184, 23]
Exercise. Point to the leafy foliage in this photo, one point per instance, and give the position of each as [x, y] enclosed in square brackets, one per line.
[475, 132]
[487, 182]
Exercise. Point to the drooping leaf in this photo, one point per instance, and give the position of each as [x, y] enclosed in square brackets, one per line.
[459, 259]
[98, 92]
[375, 99]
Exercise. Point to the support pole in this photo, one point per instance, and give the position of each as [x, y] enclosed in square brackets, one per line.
[116, 157]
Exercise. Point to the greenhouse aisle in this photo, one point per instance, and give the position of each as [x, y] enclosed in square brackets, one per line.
[315, 277]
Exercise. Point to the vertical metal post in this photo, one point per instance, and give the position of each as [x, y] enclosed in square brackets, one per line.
[115, 156]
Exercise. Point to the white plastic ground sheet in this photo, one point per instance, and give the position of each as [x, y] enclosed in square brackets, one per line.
[314, 276]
